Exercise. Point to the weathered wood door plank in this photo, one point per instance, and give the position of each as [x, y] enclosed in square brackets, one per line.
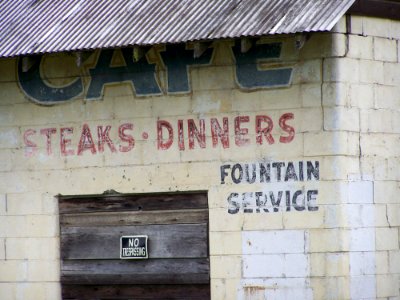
[165, 241]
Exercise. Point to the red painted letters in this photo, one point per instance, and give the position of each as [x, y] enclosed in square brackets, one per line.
[168, 137]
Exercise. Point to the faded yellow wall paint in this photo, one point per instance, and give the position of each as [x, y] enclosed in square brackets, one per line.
[343, 100]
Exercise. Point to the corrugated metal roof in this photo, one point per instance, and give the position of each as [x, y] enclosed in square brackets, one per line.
[42, 26]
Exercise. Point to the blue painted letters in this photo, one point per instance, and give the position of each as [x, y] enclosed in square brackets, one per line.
[33, 85]
[143, 75]
[247, 74]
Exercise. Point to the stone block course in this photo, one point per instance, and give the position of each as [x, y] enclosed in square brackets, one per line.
[342, 119]
[225, 266]
[225, 243]
[32, 248]
[387, 238]
[387, 285]
[329, 264]
[385, 49]
[274, 265]
[361, 47]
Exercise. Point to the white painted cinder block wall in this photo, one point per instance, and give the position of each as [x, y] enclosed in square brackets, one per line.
[344, 96]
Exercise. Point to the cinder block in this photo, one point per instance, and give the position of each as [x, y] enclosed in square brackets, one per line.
[221, 220]
[7, 114]
[378, 144]
[395, 121]
[356, 24]
[360, 47]
[393, 172]
[274, 265]
[53, 291]
[311, 95]
[225, 243]
[8, 291]
[363, 287]
[360, 216]
[177, 105]
[32, 248]
[371, 71]
[335, 94]
[394, 262]
[224, 288]
[99, 111]
[328, 240]
[31, 291]
[361, 192]
[12, 226]
[330, 287]
[212, 78]
[42, 226]
[308, 120]
[387, 239]
[341, 70]
[2, 249]
[362, 263]
[287, 293]
[24, 204]
[227, 266]
[49, 204]
[338, 167]
[332, 192]
[382, 262]
[9, 138]
[13, 270]
[376, 121]
[273, 242]
[285, 98]
[131, 108]
[393, 214]
[331, 143]
[43, 270]
[306, 219]
[391, 74]
[342, 118]
[376, 27]
[381, 216]
[329, 264]
[386, 97]
[7, 160]
[362, 239]
[3, 204]
[385, 49]
[258, 222]
[202, 102]
[381, 167]
[308, 71]
[323, 45]
[362, 95]
[387, 285]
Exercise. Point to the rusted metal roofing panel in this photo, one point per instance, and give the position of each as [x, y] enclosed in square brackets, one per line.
[43, 26]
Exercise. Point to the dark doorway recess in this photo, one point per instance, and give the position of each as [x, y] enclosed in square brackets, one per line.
[177, 228]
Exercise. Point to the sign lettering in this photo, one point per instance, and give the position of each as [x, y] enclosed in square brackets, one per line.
[134, 247]
[282, 191]
[181, 135]
[143, 76]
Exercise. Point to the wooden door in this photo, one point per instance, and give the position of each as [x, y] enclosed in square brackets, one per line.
[177, 230]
